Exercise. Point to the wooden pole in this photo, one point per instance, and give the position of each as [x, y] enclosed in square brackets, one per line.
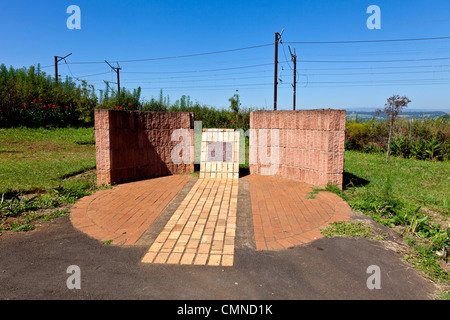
[275, 83]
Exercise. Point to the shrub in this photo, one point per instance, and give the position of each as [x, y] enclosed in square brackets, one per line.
[427, 139]
[28, 97]
[358, 133]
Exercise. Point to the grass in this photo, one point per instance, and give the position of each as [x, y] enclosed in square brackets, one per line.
[350, 229]
[41, 171]
[408, 195]
[415, 182]
[35, 160]
[24, 223]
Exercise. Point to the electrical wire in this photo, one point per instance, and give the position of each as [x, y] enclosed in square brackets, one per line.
[367, 41]
[376, 68]
[375, 81]
[371, 61]
[379, 85]
[179, 56]
[195, 71]
[200, 80]
[94, 74]
[370, 73]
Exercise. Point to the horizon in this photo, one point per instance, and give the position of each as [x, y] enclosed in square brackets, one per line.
[208, 50]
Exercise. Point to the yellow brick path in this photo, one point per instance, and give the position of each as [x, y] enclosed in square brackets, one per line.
[202, 229]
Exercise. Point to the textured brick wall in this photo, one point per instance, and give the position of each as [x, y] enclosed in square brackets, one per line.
[306, 145]
[135, 145]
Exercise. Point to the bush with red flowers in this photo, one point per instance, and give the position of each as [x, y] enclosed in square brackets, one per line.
[28, 97]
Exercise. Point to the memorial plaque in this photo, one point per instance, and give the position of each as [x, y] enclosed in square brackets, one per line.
[220, 154]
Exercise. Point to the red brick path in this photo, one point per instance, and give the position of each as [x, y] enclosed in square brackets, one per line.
[284, 217]
[125, 212]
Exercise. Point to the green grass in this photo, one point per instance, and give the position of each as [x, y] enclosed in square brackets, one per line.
[24, 223]
[349, 229]
[409, 195]
[34, 160]
[42, 170]
[414, 182]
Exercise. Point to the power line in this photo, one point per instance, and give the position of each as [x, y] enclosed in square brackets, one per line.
[303, 74]
[377, 68]
[194, 71]
[197, 54]
[371, 73]
[376, 81]
[193, 76]
[94, 74]
[179, 56]
[202, 80]
[373, 52]
[366, 41]
[212, 86]
[359, 25]
[379, 85]
[315, 82]
[71, 72]
[371, 61]
[200, 75]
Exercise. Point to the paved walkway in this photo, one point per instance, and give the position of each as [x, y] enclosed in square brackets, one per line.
[286, 214]
[201, 230]
[124, 212]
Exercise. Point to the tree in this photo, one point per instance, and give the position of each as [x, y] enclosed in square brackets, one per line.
[393, 107]
[235, 106]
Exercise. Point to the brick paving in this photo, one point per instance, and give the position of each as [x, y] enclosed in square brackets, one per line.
[285, 216]
[202, 229]
[124, 212]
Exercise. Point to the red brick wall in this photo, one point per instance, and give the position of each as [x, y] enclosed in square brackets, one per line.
[310, 144]
[135, 145]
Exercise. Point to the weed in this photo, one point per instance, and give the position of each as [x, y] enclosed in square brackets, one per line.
[312, 193]
[16, 205]
[349, 229]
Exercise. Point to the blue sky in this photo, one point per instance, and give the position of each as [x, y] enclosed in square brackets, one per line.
[35, 31]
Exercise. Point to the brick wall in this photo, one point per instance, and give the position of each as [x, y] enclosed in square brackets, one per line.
[306, 145]
[135, 145]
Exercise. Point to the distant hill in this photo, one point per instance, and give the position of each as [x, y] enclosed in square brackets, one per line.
[368, 114]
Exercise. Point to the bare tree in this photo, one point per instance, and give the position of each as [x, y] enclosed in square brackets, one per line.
[393, 107]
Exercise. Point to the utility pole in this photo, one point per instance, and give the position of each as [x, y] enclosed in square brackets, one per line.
[116, 70]
[275, 77]
[294, 85]
[58, 59]
[275, 80]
